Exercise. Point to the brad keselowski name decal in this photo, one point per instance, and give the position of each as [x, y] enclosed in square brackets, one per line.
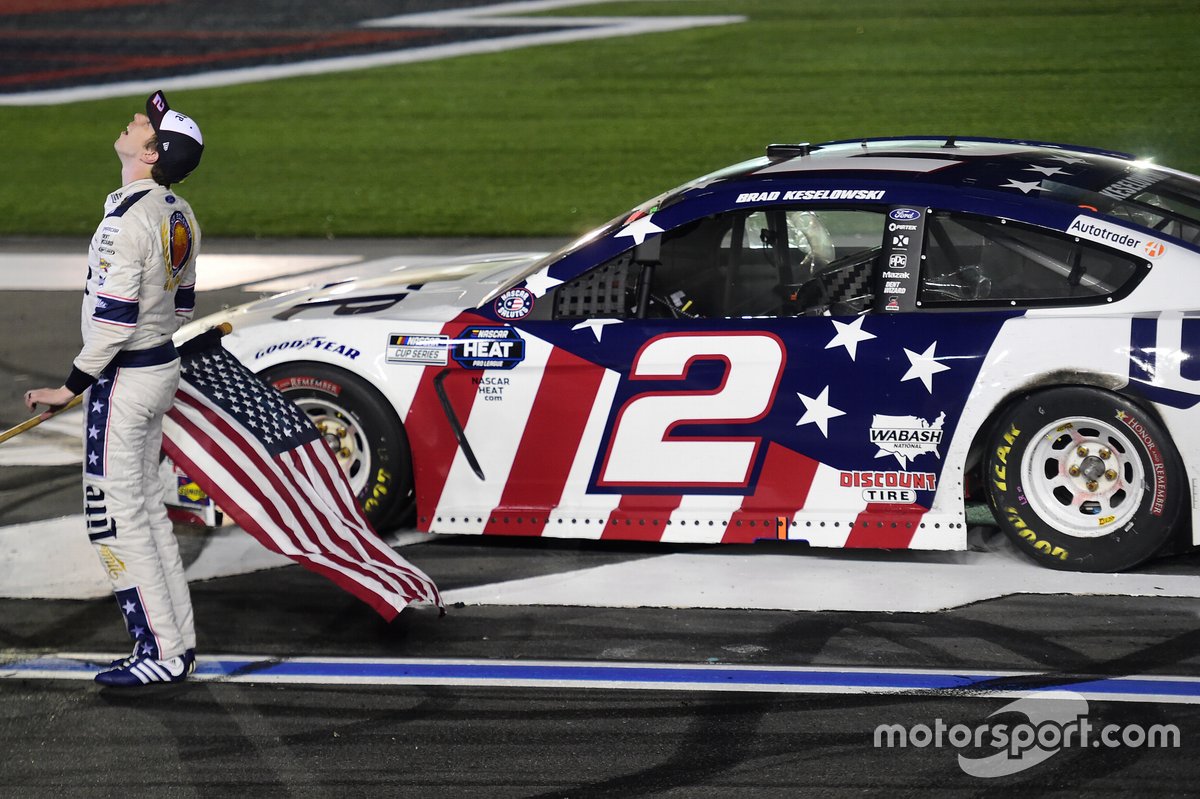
[810, 194]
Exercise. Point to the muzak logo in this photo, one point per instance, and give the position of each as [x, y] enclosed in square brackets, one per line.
[1026, 732]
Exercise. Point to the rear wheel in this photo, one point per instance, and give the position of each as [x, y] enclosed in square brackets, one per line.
[1082, 479]
[361, 429]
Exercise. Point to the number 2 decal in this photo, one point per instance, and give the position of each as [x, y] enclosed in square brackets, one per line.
[643, 452]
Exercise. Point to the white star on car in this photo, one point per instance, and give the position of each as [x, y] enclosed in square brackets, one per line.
[924, 366]
[818, 411]
[540, 282]
[639, 229]
[848, 335]
[1045, 170]
[1024, 186]
[596, 326]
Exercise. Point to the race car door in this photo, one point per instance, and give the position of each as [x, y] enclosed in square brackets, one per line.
[740, 383]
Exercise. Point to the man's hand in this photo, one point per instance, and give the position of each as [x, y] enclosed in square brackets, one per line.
[53, 397]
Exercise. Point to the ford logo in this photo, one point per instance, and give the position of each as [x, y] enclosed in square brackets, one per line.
[903, 214]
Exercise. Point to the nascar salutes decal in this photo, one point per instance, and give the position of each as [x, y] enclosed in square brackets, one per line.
[516, 303]
[489, 348]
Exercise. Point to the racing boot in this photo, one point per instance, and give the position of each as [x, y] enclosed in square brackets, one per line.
[135, 671]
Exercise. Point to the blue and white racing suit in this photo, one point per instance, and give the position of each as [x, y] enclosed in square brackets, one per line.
[140, 289]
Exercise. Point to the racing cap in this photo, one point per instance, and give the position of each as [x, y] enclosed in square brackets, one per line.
[179, 141]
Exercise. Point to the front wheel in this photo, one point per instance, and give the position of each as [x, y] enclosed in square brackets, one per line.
[361, 429]
[1084, 480]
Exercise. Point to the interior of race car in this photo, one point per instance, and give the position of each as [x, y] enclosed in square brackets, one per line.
[987, 261]
[808, 262]
[753, 263]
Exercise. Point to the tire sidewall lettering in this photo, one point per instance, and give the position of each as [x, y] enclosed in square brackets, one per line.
[1015, 508]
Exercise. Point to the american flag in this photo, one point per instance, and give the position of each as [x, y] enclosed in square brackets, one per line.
[265, 464]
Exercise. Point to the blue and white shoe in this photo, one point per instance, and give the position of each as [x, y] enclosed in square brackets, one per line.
[135, 671]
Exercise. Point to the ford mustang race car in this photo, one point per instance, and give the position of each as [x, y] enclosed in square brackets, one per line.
[841, 343]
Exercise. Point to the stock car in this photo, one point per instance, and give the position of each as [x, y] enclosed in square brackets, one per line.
[845, 344]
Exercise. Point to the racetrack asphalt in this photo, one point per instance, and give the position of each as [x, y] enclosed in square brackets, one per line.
[314, 737]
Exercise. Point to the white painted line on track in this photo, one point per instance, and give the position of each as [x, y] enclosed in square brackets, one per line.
[612, 675]
[557, 31]
[827, 579]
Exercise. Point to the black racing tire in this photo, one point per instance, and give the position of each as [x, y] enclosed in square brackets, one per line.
[361, 428]
[1082, 479]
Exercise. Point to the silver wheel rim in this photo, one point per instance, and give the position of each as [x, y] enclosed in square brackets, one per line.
[1083, 476]
[343, 435]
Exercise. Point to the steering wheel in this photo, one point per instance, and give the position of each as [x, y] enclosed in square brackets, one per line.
[815, 295]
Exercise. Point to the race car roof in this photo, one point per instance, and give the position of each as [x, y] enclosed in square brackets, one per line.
[1104, 181]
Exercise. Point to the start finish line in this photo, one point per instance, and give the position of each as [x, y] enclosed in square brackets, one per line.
[635, 676]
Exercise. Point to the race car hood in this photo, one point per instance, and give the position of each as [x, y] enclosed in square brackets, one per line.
[412, 288]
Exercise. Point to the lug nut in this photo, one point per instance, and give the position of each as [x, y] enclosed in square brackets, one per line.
[1105, 453]
[1092, 485]
[1110, 475]
[344, 452]
[1074, 471]
[341, 432]
[1082, 452]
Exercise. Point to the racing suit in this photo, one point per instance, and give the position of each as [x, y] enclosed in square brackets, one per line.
[140, 289]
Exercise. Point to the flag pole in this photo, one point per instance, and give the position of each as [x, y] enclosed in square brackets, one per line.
[34, 421]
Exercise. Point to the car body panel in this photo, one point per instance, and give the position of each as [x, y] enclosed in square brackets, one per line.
[842, 431]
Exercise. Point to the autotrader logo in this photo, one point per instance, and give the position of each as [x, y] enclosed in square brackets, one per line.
[1024, 733]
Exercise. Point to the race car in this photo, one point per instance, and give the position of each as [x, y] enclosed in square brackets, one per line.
[845, 344]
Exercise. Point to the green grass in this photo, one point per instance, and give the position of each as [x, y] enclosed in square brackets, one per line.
[554, 140]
